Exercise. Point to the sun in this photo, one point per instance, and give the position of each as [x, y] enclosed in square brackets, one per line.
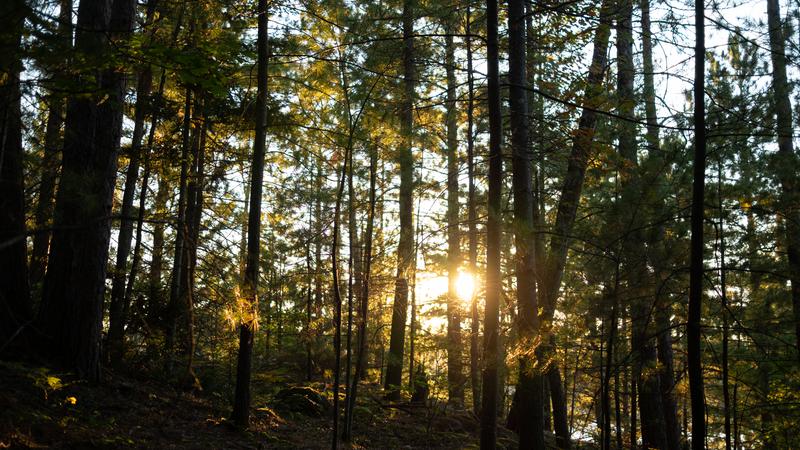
[465, 286]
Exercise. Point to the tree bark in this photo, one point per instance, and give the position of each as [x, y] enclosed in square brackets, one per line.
[491, 318]
[455, 383]
[693, 331]
[72, 302]
[15, 299]
[663, 308]
[117, 304]
[472, 231]
[43, 215]
[405, 247]
[241, 402]
[788, 164]
[530, 385]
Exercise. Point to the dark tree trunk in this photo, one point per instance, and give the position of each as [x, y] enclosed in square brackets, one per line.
[176, 283]
[156, 303]
[472, 218]
[117, 304]
[241, 402]
[788, 160]
[15, 299]
[52, 149]
[662, 307]
[693, 331]
[491, 318]
[72, 303]
[530, 385]
[361, 355]
[553, 267]
[405, 247]
[455, 383]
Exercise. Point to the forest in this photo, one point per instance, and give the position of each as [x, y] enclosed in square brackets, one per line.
[525, 224]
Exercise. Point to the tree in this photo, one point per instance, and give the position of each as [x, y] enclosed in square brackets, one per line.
[71, 311]
[693, 330]
[491, 319]
[530, 386]
[241, 402]
[405, 248]
[454, 355]
[15, 300]
[786, 158]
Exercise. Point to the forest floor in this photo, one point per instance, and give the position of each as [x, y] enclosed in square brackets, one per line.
[44, 409]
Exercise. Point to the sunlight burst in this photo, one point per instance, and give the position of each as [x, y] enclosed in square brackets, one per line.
[465, 286]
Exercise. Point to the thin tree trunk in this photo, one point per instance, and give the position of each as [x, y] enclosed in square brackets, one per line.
[120, 291]
[361, 356]
[117, 305]
[693, 330]
[726, 406]
[472, 218]
[405, 247]
[180, 240]
[241, 402]
[491, 349]
[662, 308]
[455, 383]
[337, 299]
[156, 289]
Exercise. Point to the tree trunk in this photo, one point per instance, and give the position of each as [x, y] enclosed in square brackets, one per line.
[15, 299]
[491, 349]
[455, 383]
[52, 148]
[175, 294]
[788, 164]
[117, 303]
[693, 331]
[241, 402]
[361, 355]
[472, 218]
[662, 308]
[405, 247]
[530, 385]
[156, 289]
[72, 303]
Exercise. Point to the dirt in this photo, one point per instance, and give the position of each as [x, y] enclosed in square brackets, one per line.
[40, 408]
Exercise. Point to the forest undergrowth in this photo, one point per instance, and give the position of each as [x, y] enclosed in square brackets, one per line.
[47, 409]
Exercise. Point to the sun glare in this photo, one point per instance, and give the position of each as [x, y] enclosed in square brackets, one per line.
[465, 286]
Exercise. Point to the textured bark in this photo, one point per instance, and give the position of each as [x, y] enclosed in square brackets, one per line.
[530, 385]
[72, 303]
[788, 164]
[405, 247]
[491, 341]
[455, 382]
[43, 214]
[15, 299]
[241, 402]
